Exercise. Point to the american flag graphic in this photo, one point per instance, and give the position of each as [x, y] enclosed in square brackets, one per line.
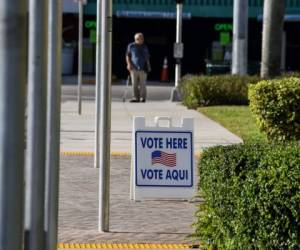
[160, 157]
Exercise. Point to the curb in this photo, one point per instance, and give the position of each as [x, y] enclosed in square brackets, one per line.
[122, 246]
[114, 154]
[80, 153]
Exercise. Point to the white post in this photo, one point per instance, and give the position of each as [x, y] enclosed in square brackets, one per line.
[98, 82]
[80, 41]
[105, 121]
[178, 40]
[53, 123]
[240, 37]
[13, 22]
[36, 126]
[175, 95]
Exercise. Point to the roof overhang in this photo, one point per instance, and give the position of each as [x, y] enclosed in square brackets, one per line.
[151, 14]
[287, 18]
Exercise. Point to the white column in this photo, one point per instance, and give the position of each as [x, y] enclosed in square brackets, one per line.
[80, 43]
[240, 37]
[98, 88]
[53, 123]
[13, 21]
[36, 126]
[105, 121]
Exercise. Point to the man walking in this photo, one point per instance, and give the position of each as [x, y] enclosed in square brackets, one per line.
[137, 58]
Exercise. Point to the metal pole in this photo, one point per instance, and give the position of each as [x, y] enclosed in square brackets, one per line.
[53, 122]
[98, 82]
[36, 134]
[80, 41]
[175, 95]
[12, 94]
[105, 121]
[240, 37]
[178, 40]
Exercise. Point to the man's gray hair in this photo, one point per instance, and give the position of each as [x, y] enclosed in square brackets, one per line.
[138, 35]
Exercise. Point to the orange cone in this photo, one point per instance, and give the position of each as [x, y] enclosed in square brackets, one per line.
[164, 77]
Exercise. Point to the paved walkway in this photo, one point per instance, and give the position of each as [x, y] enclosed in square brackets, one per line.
[78, 131]
[135, 222]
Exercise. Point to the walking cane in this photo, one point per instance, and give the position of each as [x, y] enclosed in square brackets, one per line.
[127, 87]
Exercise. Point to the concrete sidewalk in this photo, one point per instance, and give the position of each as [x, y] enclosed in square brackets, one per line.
[77, 132]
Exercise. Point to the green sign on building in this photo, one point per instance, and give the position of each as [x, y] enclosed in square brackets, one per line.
[223, 27]
[89, 24]
[225, 38]
[93, 36]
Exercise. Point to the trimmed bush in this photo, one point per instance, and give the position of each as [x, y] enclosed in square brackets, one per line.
[276, 104]
[215, 90]
[252, 197]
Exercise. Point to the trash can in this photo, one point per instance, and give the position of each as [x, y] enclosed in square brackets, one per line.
[88, 61]
[67, 59]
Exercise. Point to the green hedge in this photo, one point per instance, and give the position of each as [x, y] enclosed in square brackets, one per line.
[252, 197]
[215, 90]
[276, 104]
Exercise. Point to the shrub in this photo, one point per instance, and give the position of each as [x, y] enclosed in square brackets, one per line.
[215, 90]
[276, 104]
[252, 197]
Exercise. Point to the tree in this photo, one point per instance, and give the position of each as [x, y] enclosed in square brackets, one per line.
[273, 21]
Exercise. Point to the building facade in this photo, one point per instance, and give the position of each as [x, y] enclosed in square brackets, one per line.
[207, 33]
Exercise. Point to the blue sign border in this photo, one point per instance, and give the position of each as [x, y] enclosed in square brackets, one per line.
[168, 132]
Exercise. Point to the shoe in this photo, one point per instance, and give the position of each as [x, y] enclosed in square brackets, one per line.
[143, 100]
[134, 100]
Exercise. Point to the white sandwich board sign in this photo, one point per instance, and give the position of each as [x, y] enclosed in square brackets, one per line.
[162, 160]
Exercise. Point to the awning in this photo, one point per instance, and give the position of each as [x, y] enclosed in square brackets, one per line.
[287, 18]
[197, 8]
[151, 15]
